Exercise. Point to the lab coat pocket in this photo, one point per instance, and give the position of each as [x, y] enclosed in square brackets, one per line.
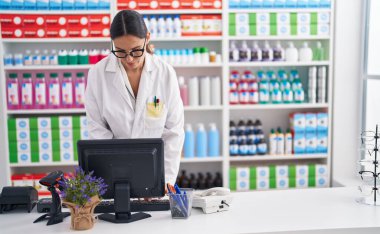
[155, 116]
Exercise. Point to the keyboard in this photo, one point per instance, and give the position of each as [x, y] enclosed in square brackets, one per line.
[107, 206]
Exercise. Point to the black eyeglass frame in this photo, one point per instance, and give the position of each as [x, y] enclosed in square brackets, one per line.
[130, 53]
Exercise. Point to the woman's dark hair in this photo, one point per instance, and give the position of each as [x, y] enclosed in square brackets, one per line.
[128, 22]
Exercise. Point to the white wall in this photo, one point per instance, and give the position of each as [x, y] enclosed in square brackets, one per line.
[347, 61]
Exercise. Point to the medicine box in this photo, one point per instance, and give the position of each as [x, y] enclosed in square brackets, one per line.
[66, 145]
[65, 134]
[23, 157]
[313, 3]
[262, 172]
[191, 25]
[263, 30]
[242, 30]
[57, 4]
[282, 183]
[65, 122]
[242, 185]
[283, 30]
[44, 123]
[291, 3]
[282, 171]
[322, 142]
[283, 18]
[262, 18]
[262, 183]
[46, 156]
[245, 3]
[22, 124]
[241, 19]
[302, 171]
[83, 122]
[42, 4]
[80, 4]
[257, 3]
[323, 29]
[321, 181]
[23, 135]
[22, 180]
[303, 29]
[322, 122]
[23, 146]
[321, 170]
[325, 3]
[242, 181]
[67, 4]
[44, 135]
[311, 143]
[212, 25]
[323, 18]
[15, 4]
[303, 18]
[298, 122]
[45, 146]
[67, 156]
[84, 134]
[302, 182]
[299, 145]
[233, 3]
[279, 3]
[302, 3]
[311, 122]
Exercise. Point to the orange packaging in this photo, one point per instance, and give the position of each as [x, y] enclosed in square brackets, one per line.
[34, 32]
[56, 32]
[191, 25]
[165, 4]
[148, 4]
[10, 20]
[78, 31]
[11, 32]
[77, 21]
[212, 4]
[212, 25]
[55, 20]
[191, 4]
[33, 20]
[99, 32]
[99, 20]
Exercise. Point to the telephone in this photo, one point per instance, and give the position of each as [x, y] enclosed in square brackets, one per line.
[213, 200]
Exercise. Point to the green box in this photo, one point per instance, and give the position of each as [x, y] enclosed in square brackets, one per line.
[312, 171]
[273, 29]
[293, 18]
[292, 171]
[273, 18]
[13, 157]
[313, 18]
[11, 124]
[252, 29]
[252, 18]
[33, 124]
[312, 181]
[233, 185]
[12, 135]
[54, 122]
[272, 183]
[292, 182]
[313, 29]
[232, 19]
[233, 174]
[252, 173]
[272, 172]
[56, 151]
[232, 30]
[252, 184]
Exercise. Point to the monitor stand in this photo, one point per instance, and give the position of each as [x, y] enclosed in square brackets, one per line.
[123, 207]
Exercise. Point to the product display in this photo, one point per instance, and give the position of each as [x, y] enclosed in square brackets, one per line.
[197, 55]
[200, 91]
[45, 139]
[168, 4]
[43, 91]
[310, 132]
[279, 24]
[200, 180]
[201, 144]
[55, 5]
[278, 177]
[253, 4]
[266, 88]
[54, 26]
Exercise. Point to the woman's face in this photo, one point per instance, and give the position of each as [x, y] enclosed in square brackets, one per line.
[130, 43]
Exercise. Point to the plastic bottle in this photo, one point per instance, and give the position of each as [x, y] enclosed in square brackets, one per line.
[305, 53]
[67, 90]
[193, 91]
[262, 147]
[36, 58]
[272, 142]
[197, 55]
[251, 147]
[153, 27]
[215, 91]
[291, 53]
[13, 92]
[104, 53]
[73, 57]
[264, 90]
[319, 52]
[27, 91]
[40, 91]
[80, 90]
[276, 96]
[278, 52]
[45, 58]
[280, 142]
[54, 91]
[28, 59]
[53, 58]
[287, 96]
[322, 79]
[233, 129]
[161, 27]
[299, 95]
[312, 86]
[267, 52]
[205, 56]
[18, 59]
[234, 53]
[183, 90]
[189, 146]
[251, 131]
[288, 142]
[191, 57]
[93, 56]
[244, 53]
[83, 57]
[256, 53]
[213, 140]
[240, 128]
[243, 148]
[63, 58]
[177, 27]
[169, 28]
[201, 140]
[8, 60]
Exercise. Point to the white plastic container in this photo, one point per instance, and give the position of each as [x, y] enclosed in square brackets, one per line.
[291, 53]
[216, 91]
[205, 91]
[36, 58]
[193, 91]
[305, 53]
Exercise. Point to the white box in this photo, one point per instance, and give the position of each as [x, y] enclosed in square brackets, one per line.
[65, 122]
[323, 17]
[282, 171]
[262, 172]
[262, 18]
[303, 29]
[242, 30]
[46, 156]
[311, 122]
[323, 30]
[242, 18]
[299, 145]
[262, 183]
[45, 146]
[65, 134]
[263, 30]
[302, 182]
[283, 18]
[322, 122]
[22, 124]
[298, 122]
[302, 171]
[84, 134]
[24, 157]
[67, 156]
[44, 123]
[23, 146]
[83, 122]
[321, 170]
[23, 135]
[242, 173]
[322, 142]
[321, 182]
[311, 143]
[283, 30]
[303, 18]
[66, 145]
[44, 135]
[282, 183]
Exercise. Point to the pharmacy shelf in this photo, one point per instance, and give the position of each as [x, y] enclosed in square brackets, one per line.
[40, 164]
[56, 12]
[279, 106]
[279, 64]
[197, 65]
[203, 108]
[56, 40]
[269, 38]
[47, 111]
[48, 67]
[277, 157]
[192, 38]
[202, 160]
[279, 10]
[179, 12]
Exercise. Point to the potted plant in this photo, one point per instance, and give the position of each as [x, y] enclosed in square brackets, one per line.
[81, 194]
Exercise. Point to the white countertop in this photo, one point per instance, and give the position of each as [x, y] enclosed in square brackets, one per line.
[326, 210]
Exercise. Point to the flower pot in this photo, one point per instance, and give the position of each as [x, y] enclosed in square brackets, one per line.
[82, 218]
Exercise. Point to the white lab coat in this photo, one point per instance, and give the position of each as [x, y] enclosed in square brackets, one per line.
[110, 112]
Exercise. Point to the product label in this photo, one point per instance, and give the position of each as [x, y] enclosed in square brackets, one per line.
[67, 93]
[252, 149]
[253, 97]
[255, 55]
[79, 93]
[264, 96]
[54, 94]
[26, 94]
[40, 94]
[13, 94]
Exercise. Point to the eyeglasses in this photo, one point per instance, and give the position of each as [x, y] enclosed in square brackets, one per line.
[133, 53]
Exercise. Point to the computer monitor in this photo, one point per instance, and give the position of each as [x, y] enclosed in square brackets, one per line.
[132, 168]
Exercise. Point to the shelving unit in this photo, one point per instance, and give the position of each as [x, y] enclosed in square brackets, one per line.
[273, 113]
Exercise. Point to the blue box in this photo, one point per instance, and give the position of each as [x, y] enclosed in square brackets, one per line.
[30, 4]
[313, 4]
[67, 4]
[104, 4]
[291, 3]
[245, 3]
[42, 4]
[5, 4]
[322, 122]
[17, 4]
[80, 4]
[311, 123]
[299, 144]
[322, 144]
[279, 3]
[268, 3]
[257, 3]
[302, 3]
[325, 3]
[298, 123]
[311, 143]
[92, 4]
[55, 4]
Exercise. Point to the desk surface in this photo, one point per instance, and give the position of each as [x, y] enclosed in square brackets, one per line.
[251, 212]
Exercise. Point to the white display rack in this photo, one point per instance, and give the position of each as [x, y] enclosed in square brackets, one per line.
[56, 12]
[279, 10]
[273, 114]
[47, 67]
